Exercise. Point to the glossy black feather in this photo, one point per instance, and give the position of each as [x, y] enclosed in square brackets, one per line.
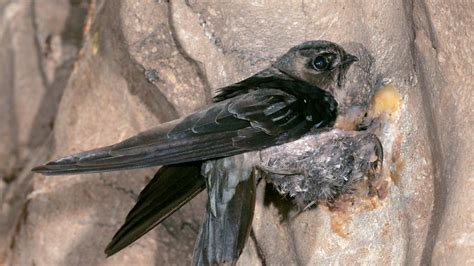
[250, 121]
[171, 187]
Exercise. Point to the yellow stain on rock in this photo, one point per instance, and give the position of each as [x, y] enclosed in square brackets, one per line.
[386, 100]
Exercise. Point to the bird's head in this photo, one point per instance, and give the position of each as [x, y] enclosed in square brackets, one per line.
[320, 63]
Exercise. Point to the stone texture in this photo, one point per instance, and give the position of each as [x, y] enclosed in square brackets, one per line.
[444, 49]
[39, 47]
[82, 74]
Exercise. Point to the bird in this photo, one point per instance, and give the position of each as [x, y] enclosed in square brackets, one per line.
[318, 168]
[215, 148]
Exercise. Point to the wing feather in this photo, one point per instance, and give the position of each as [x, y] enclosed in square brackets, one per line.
[251, 121]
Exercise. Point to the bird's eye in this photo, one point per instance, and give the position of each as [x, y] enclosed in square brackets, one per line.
[321, 63]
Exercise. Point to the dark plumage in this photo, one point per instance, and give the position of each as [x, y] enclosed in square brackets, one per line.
[299, 92]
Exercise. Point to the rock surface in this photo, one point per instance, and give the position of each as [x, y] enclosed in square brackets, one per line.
[82, 74]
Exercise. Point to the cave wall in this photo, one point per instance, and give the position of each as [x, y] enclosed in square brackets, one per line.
[81, 74]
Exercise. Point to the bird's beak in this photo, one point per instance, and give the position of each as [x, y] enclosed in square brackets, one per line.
[349, 60]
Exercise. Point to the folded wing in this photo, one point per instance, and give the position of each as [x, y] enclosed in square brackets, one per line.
[251, 121]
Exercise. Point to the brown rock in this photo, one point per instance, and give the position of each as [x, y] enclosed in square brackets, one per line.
[129, 65]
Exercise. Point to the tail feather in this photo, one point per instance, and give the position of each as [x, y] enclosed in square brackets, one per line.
[228, 218]
[171, 187]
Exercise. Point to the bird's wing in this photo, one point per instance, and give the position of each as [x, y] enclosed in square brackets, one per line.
[171, 187]
[268, 78]
[231, 185]
[252, 121]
